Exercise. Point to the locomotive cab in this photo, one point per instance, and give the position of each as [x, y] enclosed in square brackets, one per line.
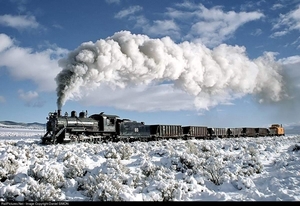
[106, 123]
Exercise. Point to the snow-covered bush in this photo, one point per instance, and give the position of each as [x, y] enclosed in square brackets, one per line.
[251, 164]
[183, 162]
[42, 192]
[49, 173]
[252, 151]
[213, 168]
[112, 153]
[296, 147]
[125, 151]
[104, 183]
[165, 187]
[31, 190]
[11, 194]
[109, 191]
[38, 151]
[100, 187]
[148, 169]
[161, 152]
[243, 183]
[205, 148]
[191, 147]
[8, 167]
[167, 190]
[74, 166]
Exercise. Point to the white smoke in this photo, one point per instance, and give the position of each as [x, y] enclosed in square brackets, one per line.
[126, 59]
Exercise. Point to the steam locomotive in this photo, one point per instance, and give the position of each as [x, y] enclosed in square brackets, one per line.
[104, 127]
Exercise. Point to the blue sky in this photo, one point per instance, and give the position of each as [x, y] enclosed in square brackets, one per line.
[214, 63]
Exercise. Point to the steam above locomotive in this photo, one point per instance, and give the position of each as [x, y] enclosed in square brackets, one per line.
[104, 127]
[209, 76]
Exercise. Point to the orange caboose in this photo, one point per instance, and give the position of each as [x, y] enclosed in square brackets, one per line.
[276, 130]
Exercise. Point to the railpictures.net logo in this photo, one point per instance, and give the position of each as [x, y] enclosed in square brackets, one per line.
[34, 203]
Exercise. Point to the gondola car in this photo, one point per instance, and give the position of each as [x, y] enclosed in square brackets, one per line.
[198, 132]
[234, 132]
[159, 131]
[216, 132]
[262, 132]
[249, 132]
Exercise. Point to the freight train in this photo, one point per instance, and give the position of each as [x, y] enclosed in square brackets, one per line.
[104, 127]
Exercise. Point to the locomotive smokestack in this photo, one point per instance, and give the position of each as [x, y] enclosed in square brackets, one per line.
[58, 112]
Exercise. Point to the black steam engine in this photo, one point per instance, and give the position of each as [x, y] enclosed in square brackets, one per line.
[104, 127]
[97, 127]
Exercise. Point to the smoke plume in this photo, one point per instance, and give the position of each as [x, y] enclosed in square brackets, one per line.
[127, 59]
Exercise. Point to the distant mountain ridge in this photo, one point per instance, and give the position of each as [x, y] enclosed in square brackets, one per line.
[12, 124]
[293, 130]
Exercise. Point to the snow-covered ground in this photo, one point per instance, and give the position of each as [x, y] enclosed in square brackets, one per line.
[245, 169]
